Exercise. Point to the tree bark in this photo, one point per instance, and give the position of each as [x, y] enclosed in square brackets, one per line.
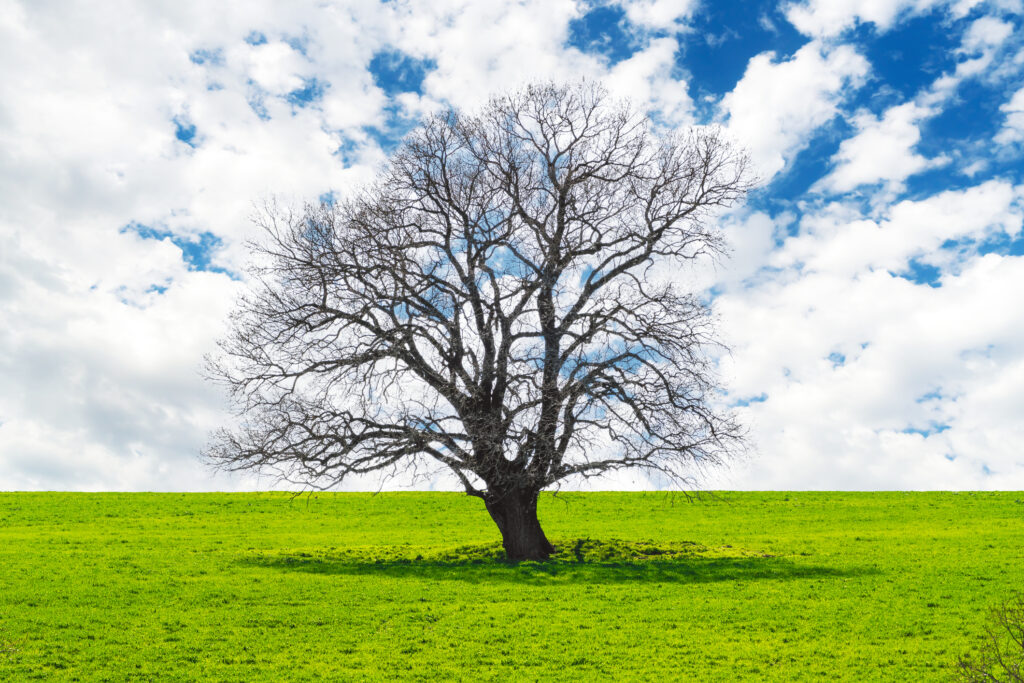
[515, 513]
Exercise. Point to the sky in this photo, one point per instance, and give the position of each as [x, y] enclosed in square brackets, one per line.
[872, 300]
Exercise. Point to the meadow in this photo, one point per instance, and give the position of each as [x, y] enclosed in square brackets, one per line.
[647, 586]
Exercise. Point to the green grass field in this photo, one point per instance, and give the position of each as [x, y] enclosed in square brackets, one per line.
[754, 586]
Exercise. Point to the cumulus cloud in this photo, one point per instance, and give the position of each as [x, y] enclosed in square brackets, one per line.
[659, 14]
[834, 241]
[982, 54]
[862, 377]
[882, 338]
[1012, 130]
[986, 32]
[480, 45]
[779, 102]
[138, 140]
[647, 78]
[900, 386]
[101, 382]
[135, 145]
[825, 18]
[881, 150]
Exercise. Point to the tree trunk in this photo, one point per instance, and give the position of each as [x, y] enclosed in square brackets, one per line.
[515, 513]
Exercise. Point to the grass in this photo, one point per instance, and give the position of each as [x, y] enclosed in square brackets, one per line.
[248, 587]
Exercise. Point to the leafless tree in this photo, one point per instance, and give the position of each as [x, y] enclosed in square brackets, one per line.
[1003, 657]
[490, 304]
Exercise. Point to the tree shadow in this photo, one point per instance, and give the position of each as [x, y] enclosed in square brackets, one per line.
[578, 561]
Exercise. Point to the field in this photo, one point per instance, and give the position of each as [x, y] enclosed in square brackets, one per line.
[754, 586]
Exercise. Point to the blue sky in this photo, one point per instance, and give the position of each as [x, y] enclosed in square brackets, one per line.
[870, 302]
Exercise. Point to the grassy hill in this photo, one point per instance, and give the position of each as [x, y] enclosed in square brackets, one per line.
[756, 586]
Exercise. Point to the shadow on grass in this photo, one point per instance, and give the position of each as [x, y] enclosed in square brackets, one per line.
[578, 561]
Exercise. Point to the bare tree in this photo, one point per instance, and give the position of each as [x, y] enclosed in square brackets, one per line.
[489, 304]
[1003, 657]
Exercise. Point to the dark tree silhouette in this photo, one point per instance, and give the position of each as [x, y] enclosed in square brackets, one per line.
[488, 304]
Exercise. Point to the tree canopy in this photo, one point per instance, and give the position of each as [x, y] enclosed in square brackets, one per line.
[488, 304]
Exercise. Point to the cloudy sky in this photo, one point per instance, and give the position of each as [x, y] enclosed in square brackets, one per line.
[872, 301]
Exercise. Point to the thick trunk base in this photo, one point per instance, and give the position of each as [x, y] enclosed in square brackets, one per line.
[515, 513]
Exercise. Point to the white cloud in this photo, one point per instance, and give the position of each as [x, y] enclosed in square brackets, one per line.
[961, 8]
[842, 244]
[101, 383]
[777, 105]
[480, 47]
[870, 380]
[659, 14]
[982, 54]
[647, 79]
[881, 150]
[826, 18]
[1013, 128]
[276, 67]
[986, 32]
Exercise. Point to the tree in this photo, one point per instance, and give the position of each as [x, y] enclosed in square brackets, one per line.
[1003, 657]
[489, 304]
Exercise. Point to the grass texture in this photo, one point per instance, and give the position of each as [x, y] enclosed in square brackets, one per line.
[646, 586]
